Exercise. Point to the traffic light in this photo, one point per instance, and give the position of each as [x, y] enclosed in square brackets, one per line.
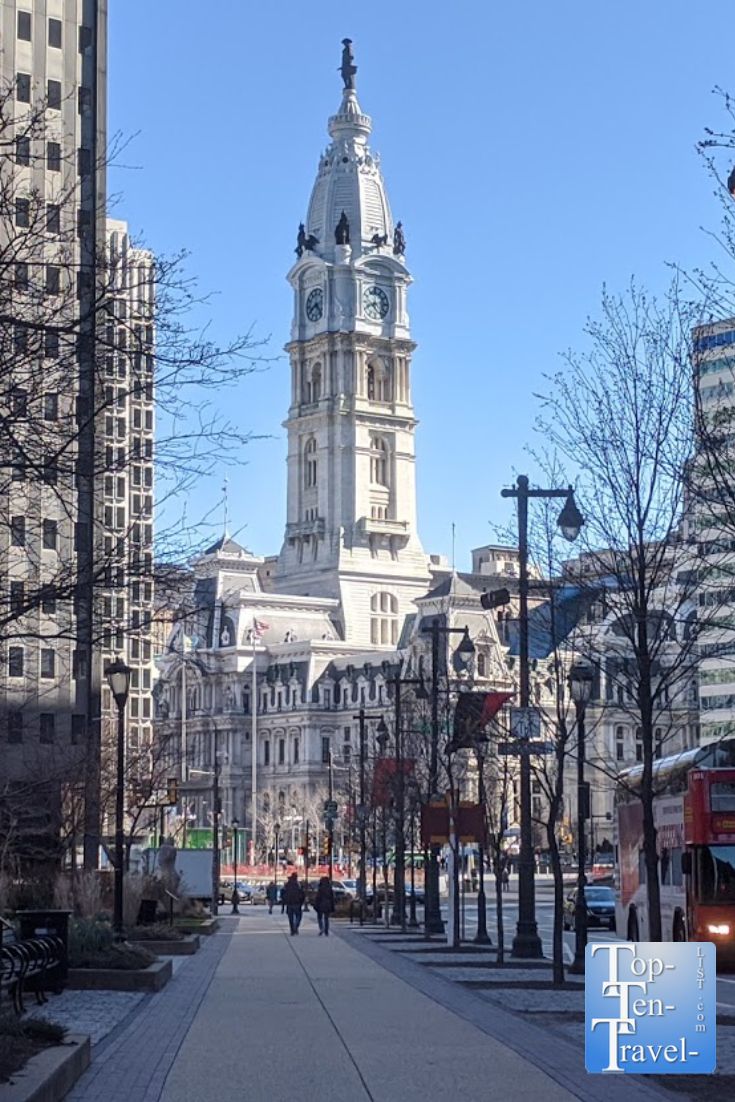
[495, 598]
[172, 791]
[325, 846]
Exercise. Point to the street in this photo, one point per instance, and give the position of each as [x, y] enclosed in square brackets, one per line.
[545, 921]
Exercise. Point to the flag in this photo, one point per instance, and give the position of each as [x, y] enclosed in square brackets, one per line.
[385, 779]
[472, 715]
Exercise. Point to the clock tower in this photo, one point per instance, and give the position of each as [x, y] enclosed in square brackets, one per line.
[351, 497]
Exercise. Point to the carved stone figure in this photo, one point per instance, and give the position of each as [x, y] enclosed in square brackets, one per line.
[399, 240]
[300, 240]
[348, 68]
[379, 239]
[311, 242]
[342, 232]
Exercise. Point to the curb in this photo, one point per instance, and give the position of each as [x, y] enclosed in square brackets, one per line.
[49, 1075]
[185, 947]
[152, 978]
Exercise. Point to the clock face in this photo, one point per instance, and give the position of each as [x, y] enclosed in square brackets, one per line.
[376, 303]
[315, 304]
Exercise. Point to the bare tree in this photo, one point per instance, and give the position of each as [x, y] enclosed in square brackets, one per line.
[621, 414]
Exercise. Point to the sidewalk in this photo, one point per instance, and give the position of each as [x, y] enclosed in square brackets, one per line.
[259, 1015]
[312, 1017]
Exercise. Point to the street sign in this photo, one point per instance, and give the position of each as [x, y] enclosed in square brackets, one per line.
[330, 809]
[521, 746]
[525, 723]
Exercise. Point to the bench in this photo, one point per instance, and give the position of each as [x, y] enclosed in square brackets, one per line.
[31, 964]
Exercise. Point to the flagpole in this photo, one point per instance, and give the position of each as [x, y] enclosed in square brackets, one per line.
[253, 754]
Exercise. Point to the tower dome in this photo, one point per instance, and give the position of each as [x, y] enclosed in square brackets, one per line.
[349, 181]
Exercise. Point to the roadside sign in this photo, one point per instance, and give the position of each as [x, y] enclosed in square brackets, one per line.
[515, 749]
[525, 723]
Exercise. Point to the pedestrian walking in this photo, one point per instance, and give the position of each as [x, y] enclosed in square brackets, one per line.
[281, 899]
[271, 894]
[324, 905]
[235, 899]
[506, 880]
[293, 898]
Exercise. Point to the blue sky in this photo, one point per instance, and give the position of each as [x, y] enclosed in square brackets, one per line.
[533, 151]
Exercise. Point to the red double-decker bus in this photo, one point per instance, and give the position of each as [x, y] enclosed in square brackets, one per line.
[694, 814]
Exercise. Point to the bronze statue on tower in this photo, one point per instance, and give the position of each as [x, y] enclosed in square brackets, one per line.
[348, 67]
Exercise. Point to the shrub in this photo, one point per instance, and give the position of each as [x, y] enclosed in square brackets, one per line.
[158, 931]
[22, 1038]
[79, 892]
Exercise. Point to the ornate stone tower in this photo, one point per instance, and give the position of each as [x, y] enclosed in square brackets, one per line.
[351, 513]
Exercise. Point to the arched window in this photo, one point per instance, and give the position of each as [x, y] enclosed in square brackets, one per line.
[384, 619]
[620, 743]
[316, 382]
[378, 461]
[296, 751]
[378, 382]
[310, 463]
[481, 666]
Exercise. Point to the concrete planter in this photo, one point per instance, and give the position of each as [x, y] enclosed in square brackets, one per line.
[152, 978]
[209, 926]
[51, 1074]
[183, 947]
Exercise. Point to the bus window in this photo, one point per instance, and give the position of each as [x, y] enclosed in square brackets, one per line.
[716, 879]
[665, 866]
[722, 796]
[677, 877]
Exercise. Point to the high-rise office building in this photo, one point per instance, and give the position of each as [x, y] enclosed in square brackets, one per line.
[76, 488]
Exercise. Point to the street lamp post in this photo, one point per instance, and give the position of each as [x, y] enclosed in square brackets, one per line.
[580, 684]
[118, 678]
[527, 942]
[481, 937]
[361, 717]
[381, 737]
[235, 908]
[433, 923]
[276, 833]
[412, 920]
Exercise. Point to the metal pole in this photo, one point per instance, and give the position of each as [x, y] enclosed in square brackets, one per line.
[375, 864]
[481, 937]
[119, 824]
[184, 747]
[526, 942]
[235, 908]
[306, 865]
[412, 906]
[215, 828]
[580, 909]
[433, 923]
[363, 846]
[399, 878]
[330, 820]
[254, 756]
[275, 857]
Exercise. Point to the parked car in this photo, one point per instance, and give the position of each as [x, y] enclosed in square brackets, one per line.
[600, 904]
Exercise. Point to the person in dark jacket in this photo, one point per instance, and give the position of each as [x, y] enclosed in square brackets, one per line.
[271, 894]
[293, 898]
[324, 905]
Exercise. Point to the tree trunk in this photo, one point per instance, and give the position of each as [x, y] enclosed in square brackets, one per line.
[558, 934]
[645, 705]
[499, 905]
